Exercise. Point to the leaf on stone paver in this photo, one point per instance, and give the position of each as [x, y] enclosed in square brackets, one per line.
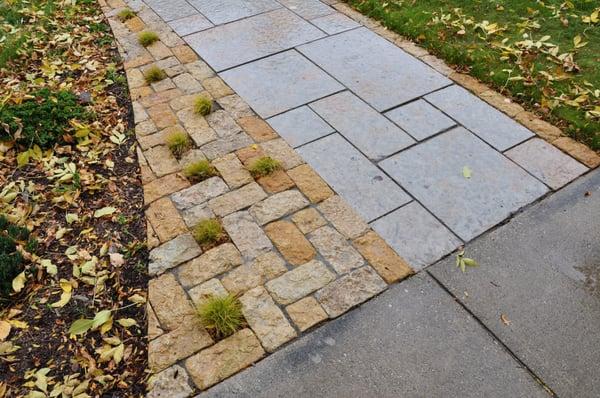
[504, 319]
[463, 262]
[467, 173]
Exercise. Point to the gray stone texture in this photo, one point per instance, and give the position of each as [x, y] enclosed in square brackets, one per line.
[171, 9]
[412, 341]
[281, 82]
[420, 119]
[334, 23]
[433, 172]
[308, 9]
[249, 238]
[190, 24]
[173, 253]
[299, 126]
[300, 282]
[336, 250]
[491, 125]
[353, 176]
[223, 11]
[546, 162]
[541, 272]
[416, 235]
[373, 68]
[233, 44]
[367, 129]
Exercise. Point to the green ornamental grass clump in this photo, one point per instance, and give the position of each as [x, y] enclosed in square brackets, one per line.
[11, 260]
[264, 166]
[203, 106]
[222, 316]
[208, 232]
[125, 14]
[147, 38]
[178, 142]
[154, 74]
[42, 120]
[199, 171]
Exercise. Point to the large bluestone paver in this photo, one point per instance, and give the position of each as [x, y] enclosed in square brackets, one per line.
[434, 173]
[172, 9]
[308, 9]
[491, 125]
[334, 23]
[367, 129]
[412, 341]
[373, 68]
[299, 126]
[420, 119]
[541, 272]
[223, 11]
[353, 176]
[279, 83]
[416, 235]
[190, 24]
[236, 43]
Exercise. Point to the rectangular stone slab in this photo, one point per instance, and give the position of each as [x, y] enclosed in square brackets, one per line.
[308, 9]
[374, 69]
[280, 82]
[434, 173]
[416, 235]
[172, 9]
[366, 188]
[334, 23]
[363, 126]
[491, 125]
[239, 42]
[223, 11]
[299, 126]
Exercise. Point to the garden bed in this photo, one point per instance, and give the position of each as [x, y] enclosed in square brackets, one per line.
[72, 320]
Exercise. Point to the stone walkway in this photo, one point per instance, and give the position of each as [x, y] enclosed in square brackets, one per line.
[387, 167]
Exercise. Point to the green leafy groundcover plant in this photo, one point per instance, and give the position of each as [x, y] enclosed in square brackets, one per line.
[11, 260]
[42, 120]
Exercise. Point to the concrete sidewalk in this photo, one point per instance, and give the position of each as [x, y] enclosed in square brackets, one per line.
[540, 271]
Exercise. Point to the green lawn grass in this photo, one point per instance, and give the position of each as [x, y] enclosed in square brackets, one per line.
[545, 55]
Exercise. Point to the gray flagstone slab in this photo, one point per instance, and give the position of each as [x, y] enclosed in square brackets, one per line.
[373, 68]
[224, 11]
[420, 119]
[239, 42]
[433, 172]
[299, 126]
[491, 125]
[172, 9]
[366, 188]
[280, 82]
[308, 9]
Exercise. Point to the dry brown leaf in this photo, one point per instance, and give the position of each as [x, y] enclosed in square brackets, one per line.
[505, 319]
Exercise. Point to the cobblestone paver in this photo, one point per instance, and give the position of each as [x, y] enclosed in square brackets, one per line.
[394, 167]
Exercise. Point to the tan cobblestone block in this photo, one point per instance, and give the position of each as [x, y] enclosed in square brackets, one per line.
[308, 220]
[279, 205]
[169, 301]
[145, 128]
[165, 219]
[210, 264]
[116, 3]
[539, 126]
[173, 253]
[163, 85]
[224, 359]
[310, 183]
[248, 237]
[336, 249]
[277, 181]
[159, 50]
[161, 98]
[232, 171]
[206, 290]
[164, 186]
[158, 138]
[135, 78]
[291, 242]
[173, 382]
[237, 200]
[140, 92]
[579, 151]
[350, 290]
[469, 82]
[161, 160]
[257, 128]
[410, 47]
[162, 115]
[154, 329]
[216, 87]
[249, 154]
[280, 150]
[388, 264]
[200, 70]
[151, 237]
[306, 313]
[137, 61]
[266, 319]
[343, 217]
[235, 106]
[247, 276]
[139, 113]
[135, 24]
[146, 174]
[299, 282]
[187, 339]
[183, 101]
[184, 54]
[501, 102]
[187, 83]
